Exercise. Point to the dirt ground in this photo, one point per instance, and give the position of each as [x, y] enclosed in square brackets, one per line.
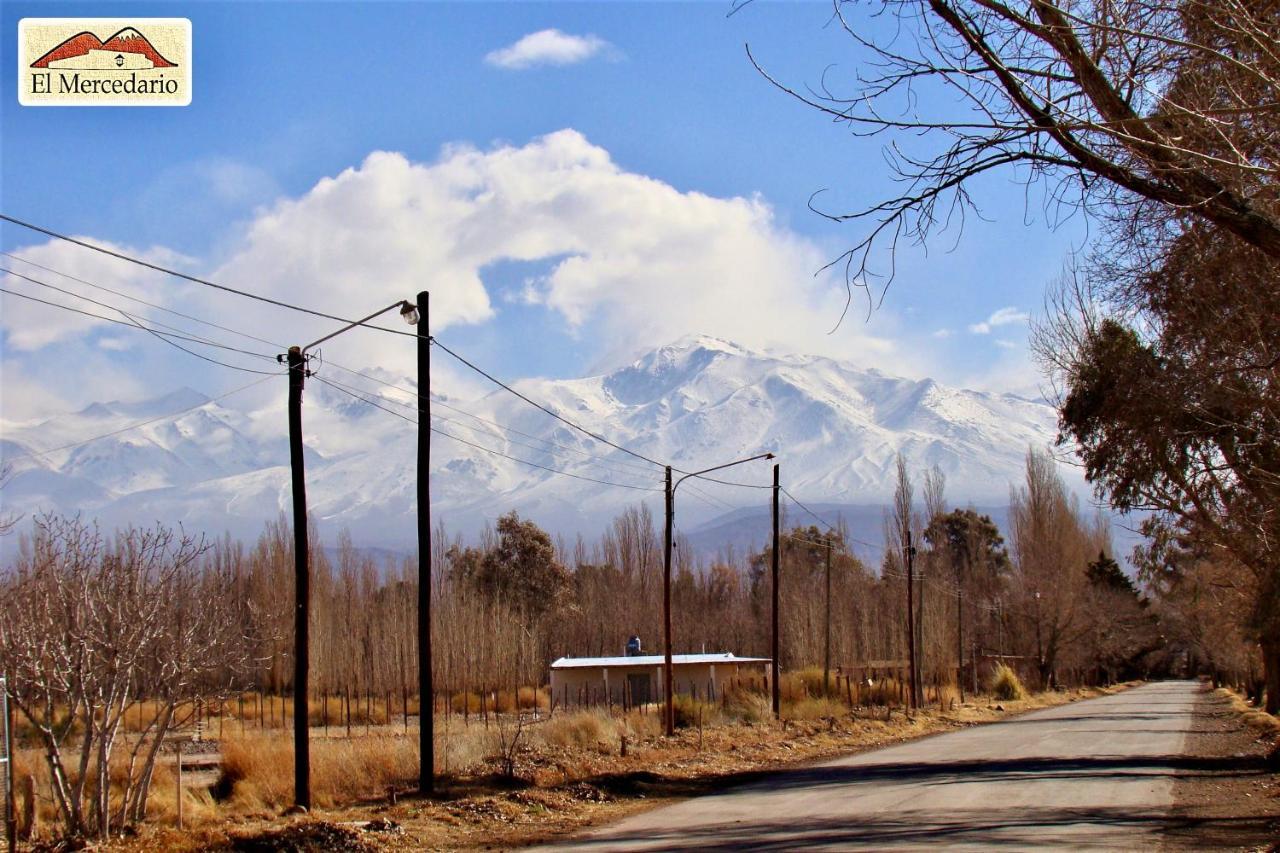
[559, 791]
[1228, 798]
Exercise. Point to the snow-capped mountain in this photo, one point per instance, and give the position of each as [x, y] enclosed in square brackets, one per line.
[695, 403]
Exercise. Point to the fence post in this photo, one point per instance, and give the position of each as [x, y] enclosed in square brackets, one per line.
[178, 760]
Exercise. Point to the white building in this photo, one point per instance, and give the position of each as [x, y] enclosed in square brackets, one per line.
[638, 679]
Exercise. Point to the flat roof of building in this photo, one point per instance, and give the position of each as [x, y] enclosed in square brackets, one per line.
[653, 660]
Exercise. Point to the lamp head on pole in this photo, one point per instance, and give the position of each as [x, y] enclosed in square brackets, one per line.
[409, 313]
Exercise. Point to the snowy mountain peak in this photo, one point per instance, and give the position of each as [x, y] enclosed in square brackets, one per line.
[692, 403]
[173, 401]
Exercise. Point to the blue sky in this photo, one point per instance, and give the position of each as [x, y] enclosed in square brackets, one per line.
[667, 117]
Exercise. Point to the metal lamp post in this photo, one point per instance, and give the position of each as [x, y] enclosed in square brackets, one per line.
[670, 713]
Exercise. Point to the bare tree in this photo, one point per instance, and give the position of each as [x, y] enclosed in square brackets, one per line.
[8, 519]
[1112, 107]
[91, 628]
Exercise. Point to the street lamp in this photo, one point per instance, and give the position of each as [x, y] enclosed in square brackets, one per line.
[296, 358]
[670, 714]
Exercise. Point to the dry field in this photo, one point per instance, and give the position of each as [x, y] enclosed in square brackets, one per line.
[559, 775]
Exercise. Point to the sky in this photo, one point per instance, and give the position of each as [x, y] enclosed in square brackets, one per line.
[574, 183]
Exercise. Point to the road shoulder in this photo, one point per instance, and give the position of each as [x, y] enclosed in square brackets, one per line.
[1228, 796]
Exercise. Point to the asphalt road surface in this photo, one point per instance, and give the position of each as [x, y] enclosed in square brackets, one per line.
[1096, 774]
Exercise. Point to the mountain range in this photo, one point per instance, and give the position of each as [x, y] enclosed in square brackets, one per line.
[835, 427]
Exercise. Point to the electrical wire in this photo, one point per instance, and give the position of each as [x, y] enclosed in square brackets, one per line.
[164, 336]
[196, 280]
[487, 449]
[829, 528]
[451, 420]
[123, 295]
[435, 401]
[538, 405]
[414, 408]
[416, 334]
[141, 424]
[183, 334]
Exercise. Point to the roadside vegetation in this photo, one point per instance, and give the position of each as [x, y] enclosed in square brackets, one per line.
[563, 771]
[206, 639]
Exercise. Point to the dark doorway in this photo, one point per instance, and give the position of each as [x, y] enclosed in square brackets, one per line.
[638, 685]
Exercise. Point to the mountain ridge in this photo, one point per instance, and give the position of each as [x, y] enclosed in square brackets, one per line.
[693, 403]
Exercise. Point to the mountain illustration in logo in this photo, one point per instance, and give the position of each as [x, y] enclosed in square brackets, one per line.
[126, 50]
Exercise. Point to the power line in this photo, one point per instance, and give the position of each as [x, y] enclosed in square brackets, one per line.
[414, 407]
[196, 280]
[489, 449]
[435, 401]
[550, 412]
[164, 336]
[141, 424]
[278, 303]
[141, 301]
[721, 482]
[831, 529]
[184, 334]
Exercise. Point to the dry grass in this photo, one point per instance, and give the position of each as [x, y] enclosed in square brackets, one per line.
[692, 712]
[820, 708]
[592, 729]
[198, 805]
[257, 771]
[643, 726]
[810, 679]
[1253, 715]
[748, 706]
[1005, 684]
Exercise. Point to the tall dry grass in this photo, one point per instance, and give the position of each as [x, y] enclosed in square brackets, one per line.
[589, 729]
[1005, 684]
[257, 770]
[198, 805]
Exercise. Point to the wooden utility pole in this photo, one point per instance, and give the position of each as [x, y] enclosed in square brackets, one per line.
[301, 585]
[426, 713]
[826, 651]
[775, 563]
[960, 633]
[909, 553]
[669, 714]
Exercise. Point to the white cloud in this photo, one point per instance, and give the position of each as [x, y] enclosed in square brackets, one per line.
[30, 326]
[1002, 317]
[1005, 344]
[627, 261]
[942, 334]
[548, 47]
[634, 258]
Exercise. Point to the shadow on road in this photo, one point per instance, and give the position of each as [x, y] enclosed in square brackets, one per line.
[1015, 828]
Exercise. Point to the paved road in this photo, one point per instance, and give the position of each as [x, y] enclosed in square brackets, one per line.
[1096, 774]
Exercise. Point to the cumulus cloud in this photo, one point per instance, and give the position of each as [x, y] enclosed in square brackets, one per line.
[633, 258]
[548, 47]
[625, 261]
[1003, 317]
